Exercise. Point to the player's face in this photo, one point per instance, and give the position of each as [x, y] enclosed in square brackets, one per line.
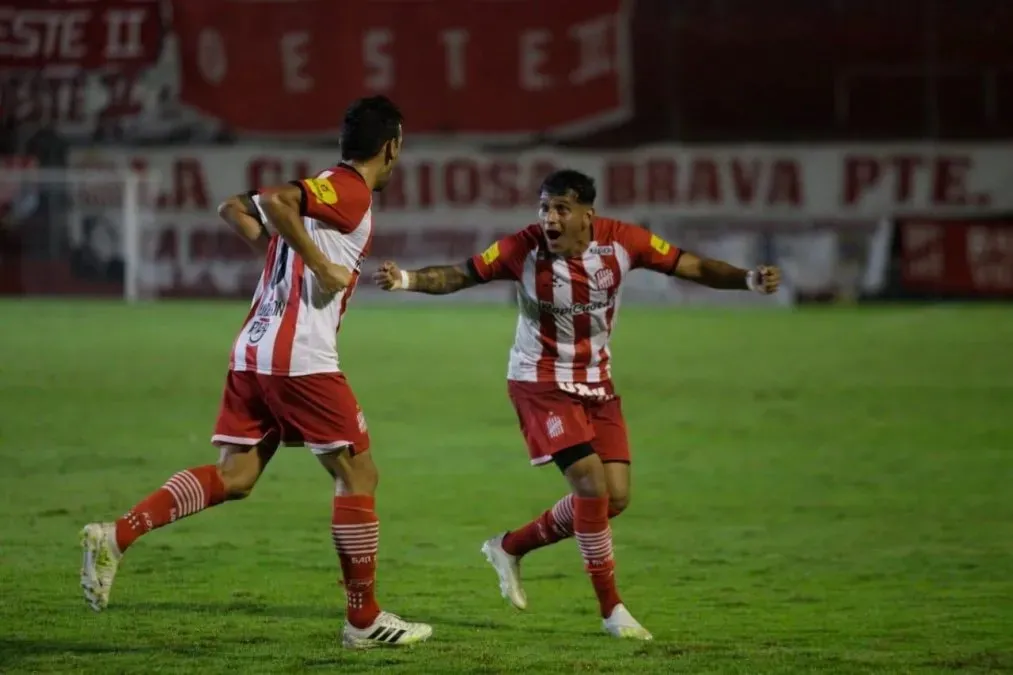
[566, 223]
[391, 157]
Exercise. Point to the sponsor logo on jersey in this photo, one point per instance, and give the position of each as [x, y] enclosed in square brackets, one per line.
[271, 308]
[258, 329]
[490, 254]
[578, 308]
[602, 250]
[660, 245]
[322, 189]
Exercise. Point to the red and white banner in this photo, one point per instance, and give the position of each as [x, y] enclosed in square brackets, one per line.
[464, 188]
[500, 68]
[967, 257]
[76, 63]
[447, 204]
[492, 67]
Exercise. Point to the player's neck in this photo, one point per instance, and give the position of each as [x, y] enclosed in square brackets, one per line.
[368, 172]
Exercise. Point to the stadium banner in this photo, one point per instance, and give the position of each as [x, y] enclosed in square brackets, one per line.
[150, 68]
[959, 258]
[463, 187]
[810, 209]
[78, 64]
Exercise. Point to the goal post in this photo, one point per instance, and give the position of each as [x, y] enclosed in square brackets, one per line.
[76, 231]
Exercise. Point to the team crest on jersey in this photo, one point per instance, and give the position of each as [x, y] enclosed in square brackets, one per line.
[604, 279]
[660, 245]
[554, 426]
[258, 329]
[323, 190]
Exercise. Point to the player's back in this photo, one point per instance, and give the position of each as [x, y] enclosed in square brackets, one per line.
[568, 306]
[292, 325]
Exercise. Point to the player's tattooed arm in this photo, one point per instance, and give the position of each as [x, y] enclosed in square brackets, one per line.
[436, 280]
[241, 214]
[722, 275]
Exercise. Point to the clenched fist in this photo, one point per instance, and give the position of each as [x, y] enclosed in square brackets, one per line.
[764, 279]
[390, 277]
[333, 278]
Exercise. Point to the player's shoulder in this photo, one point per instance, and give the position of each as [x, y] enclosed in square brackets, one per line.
[350, 181]
[612, 231]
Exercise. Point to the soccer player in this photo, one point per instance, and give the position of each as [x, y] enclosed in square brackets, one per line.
[569, 270]
[284, 385]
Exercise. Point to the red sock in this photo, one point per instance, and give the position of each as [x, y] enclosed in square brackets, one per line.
[185, 494]
[356, 533]
[554, 525]
[594, 536]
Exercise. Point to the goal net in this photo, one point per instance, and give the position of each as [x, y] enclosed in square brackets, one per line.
[77, 232]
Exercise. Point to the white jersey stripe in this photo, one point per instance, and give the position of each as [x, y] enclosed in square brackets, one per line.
[598, 294]
[562, 296]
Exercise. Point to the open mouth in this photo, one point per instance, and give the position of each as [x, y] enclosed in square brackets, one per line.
[553, 235]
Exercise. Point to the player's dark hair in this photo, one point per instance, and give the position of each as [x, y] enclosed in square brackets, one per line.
[369, 123]
[562, 182]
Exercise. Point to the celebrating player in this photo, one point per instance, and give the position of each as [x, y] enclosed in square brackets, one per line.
[284, 385]
[569, 270]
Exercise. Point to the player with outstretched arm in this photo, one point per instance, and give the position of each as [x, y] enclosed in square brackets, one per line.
[284, 385]
[569, 270]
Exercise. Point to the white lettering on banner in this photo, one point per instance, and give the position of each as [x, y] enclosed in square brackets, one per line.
[463, 187]
[212, 58]
[294, 60]
[990, 257]
[924, 249]
[595, 55]
[376, 54]
[74, 64]
[454, 42]
[47, 34]
[123, 34]
[533, 59]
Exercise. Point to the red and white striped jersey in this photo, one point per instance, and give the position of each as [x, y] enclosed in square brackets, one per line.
[292, 325]
[568, 305]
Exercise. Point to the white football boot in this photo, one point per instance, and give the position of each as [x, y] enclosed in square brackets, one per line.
[508, 568]
[621, 624]
[100, 561]
[389, 630]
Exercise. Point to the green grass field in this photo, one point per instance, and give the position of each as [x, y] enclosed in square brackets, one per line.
[814, 491]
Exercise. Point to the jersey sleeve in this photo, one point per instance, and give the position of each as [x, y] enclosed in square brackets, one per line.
[649, 251]
[505, 258]
[339, 199]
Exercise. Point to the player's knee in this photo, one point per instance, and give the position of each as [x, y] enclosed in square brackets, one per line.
[583, 469]
[238, 484]
[361, 480]
[239, 470]
[618, 504]
[354, 473]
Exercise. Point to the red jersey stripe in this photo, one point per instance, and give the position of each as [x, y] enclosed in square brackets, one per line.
[281, 358]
